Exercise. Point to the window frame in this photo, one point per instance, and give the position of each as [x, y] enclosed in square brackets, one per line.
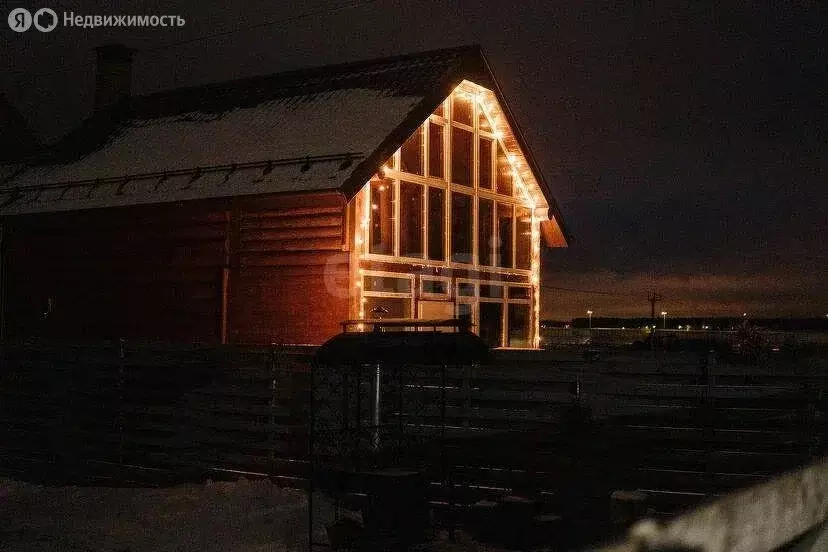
[363, 274]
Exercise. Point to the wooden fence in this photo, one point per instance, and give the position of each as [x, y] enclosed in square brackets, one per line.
[560, 426]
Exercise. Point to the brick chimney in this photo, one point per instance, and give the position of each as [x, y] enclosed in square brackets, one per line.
[113, 75]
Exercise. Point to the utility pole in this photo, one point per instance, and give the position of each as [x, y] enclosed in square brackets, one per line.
[653, 299]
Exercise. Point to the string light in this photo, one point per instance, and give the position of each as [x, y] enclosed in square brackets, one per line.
[480, 96]
[363, 200]
[515, 161]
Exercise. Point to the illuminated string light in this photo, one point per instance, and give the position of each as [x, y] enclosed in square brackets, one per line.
[513, 159]
[364, 201]
[482, 98]
[515, 162]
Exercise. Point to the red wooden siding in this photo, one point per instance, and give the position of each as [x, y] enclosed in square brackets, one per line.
[157, 272]
[292, 283]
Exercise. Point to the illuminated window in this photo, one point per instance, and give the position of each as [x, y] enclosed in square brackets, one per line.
[485, 164]
[523, 238]
[492, 291]
[485, 231]
[434, 287]
[459, 213]
[387, 307]
[411, 219]
[461, 227]
[464, 311]
[411, 153]
[504, 173]
[435, 150]
[461, 156]
[491, 323]
[518, 292]
[382, 217]
[483, 122]
[436, 224]
[518, 335]
[388, 284]
[462, 109]
[504, 235]
[465, 289]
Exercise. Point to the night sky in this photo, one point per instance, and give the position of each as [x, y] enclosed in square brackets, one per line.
[687, 146]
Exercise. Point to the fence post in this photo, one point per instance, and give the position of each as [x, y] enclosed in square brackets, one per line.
[271, 438]
[710, 417]
[121, 385]
[467, 393]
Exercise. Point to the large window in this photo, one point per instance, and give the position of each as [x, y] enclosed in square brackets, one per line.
[485, 231]
[491, 323]
[504, 314]
[436, 224]
[411, 153]
[504, 173]
[461, 227]
[505, 228]
[411, 219]
[462, 110]
[523, 238]
[435, 150]
[485, 164]
[387, 295]
[518, 335]
[449, 208]
[387, 307]
[487, 224]
[462, 155]
[382, 217]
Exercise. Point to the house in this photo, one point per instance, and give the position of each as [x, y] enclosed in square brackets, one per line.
[269, 209]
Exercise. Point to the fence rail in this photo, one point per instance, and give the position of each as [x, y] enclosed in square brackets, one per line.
[679, 427]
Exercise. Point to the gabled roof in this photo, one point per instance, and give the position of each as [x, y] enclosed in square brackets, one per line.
[314, 129]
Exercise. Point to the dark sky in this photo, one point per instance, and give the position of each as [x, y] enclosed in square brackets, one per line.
[686, 145]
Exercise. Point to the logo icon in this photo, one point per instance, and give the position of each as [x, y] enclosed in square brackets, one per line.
[45, 20]
[20, 19]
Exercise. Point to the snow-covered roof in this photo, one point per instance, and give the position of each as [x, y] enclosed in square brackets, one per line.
[331, 123]
[321, 115]
[326, 128]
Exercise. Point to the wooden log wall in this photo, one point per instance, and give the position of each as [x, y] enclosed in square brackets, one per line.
[246, 270]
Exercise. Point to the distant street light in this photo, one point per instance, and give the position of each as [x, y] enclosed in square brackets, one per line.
[589, 313]
[664, 318]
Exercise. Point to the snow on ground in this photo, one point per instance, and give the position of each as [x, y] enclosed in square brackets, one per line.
[240, 516]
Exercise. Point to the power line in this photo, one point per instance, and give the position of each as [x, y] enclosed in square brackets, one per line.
[591, 291]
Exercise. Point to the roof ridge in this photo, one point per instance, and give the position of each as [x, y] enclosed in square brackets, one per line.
[328, 70]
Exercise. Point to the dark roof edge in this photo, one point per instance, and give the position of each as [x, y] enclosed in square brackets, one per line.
[476, 66]
[305, 72]
[554, 207]
[392, 142]
[95, 129]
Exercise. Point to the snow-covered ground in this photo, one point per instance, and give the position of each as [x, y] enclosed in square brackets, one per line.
[240, 516]
[243, 516]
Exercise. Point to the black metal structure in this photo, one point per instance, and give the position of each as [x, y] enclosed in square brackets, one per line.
[377, 424]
